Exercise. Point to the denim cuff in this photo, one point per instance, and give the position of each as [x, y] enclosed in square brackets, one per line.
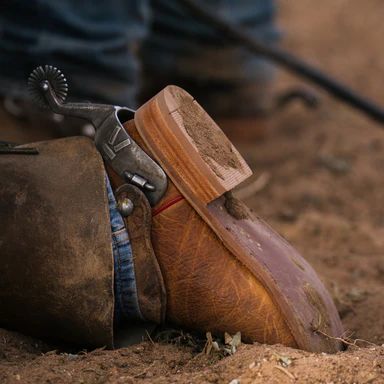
[126, 299]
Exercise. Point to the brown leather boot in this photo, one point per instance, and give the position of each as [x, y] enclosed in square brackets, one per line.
[212, 267]
[224, 270]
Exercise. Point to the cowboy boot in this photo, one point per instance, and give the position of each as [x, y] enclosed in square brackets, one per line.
[223, 268]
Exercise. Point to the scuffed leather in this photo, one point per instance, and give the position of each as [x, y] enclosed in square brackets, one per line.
[207, 288]
[56, 262]
[297, 290]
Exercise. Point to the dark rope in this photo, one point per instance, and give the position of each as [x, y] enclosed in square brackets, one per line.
[287, 60]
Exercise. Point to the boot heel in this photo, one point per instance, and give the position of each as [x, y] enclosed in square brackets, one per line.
[203, 160]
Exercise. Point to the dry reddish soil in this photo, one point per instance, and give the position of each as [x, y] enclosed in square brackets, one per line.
[319, 181]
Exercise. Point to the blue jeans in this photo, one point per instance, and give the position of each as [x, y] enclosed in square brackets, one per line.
[126, 300]
[104, 46]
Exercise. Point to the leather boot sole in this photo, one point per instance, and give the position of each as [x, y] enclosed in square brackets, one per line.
[224, 269]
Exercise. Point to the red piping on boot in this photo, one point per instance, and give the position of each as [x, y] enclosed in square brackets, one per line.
[167, 205]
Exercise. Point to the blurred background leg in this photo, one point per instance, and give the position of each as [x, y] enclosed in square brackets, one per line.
[226, 79]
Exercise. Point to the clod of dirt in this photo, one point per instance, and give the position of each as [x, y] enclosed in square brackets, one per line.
[236, 208]
[356, 295]
[287, 215]
[334, 164]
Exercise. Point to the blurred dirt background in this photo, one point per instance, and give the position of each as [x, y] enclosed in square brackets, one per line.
[318, 180]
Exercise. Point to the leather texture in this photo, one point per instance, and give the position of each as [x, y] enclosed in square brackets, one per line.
[295, 287]
[149, 280]
[210, 288]
[55, 244]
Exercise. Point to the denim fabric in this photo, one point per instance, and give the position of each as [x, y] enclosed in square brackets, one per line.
[223, 76]
[95, 43]
[126, 301]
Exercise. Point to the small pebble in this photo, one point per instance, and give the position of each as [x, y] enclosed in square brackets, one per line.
[334, 164]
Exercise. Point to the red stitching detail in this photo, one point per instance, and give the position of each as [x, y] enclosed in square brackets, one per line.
[167, 204]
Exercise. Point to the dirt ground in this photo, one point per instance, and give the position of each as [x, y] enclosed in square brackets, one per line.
[317, 180]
